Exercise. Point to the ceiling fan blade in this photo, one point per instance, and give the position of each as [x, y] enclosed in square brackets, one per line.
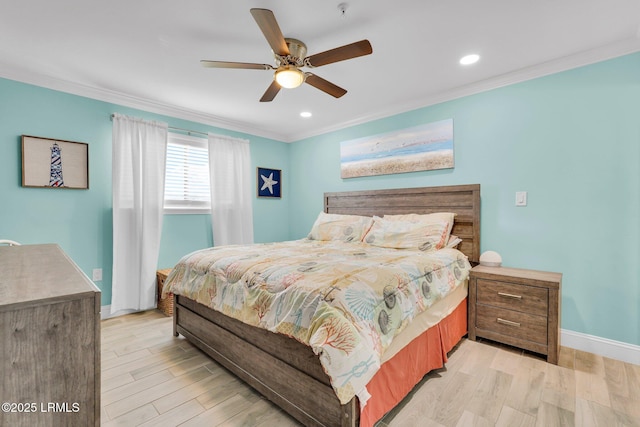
[353, 50]
[271, 92]
[324, 85]
[242, 65]
[266, 20]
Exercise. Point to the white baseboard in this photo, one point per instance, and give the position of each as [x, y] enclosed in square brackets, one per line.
[105, 312]
[601, 346]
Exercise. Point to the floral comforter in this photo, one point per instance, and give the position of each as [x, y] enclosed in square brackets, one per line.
[345, 300]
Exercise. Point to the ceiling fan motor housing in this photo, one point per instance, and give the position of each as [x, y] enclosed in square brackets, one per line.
[297, 53]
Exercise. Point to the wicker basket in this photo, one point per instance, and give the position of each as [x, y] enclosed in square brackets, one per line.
[165, 305]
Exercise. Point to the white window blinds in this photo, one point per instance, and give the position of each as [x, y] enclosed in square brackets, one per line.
[186, 187]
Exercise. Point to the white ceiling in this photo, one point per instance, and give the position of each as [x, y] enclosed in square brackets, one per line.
[146, 53]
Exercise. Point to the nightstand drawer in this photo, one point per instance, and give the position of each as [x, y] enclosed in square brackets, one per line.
[512, 323]
[512, 296]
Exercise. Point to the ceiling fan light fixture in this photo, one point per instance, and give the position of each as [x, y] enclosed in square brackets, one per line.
[289, 77]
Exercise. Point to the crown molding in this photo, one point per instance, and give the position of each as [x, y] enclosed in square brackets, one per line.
[10, 72]
[602, 53]
[580, 59]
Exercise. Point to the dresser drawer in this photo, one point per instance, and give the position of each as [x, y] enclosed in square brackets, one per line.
[512, 323]
[512, 296]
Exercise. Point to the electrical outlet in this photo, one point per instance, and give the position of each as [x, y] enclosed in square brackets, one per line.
[97, 274]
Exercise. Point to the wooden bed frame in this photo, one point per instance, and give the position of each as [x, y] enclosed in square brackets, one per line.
[286, 371]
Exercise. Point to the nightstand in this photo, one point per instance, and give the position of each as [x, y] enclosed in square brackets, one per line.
[516, 307]
[164, 304]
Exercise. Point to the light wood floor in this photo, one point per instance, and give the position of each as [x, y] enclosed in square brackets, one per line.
[150, 378]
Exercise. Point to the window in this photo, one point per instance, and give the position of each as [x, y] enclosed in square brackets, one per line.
[186, 188]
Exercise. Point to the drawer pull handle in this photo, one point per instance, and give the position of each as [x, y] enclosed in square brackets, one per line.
[503, 294]
[508, 322]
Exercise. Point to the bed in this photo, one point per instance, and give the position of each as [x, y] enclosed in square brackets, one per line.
[290, 374]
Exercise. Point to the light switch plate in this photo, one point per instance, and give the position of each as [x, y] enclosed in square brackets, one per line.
[521, 198]
[97, 274]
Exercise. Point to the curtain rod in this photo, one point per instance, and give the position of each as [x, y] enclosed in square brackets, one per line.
[187, 131]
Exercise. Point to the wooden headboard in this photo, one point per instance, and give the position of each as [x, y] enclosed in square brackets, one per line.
[464, 200]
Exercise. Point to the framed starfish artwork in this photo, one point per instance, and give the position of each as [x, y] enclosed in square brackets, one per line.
[269, 182]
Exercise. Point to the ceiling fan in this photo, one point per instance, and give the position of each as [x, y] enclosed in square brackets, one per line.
[290, 56]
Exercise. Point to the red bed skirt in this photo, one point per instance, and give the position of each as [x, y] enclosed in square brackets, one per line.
[399, 375]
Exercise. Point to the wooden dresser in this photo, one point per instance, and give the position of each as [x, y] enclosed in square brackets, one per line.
[516, 307]
[49, 339]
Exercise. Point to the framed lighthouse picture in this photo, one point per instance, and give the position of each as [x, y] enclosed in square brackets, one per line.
[53, 163]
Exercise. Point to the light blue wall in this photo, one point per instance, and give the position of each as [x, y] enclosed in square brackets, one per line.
[80, 221]
[572, 141]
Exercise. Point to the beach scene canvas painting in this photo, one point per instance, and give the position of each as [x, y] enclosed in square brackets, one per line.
[419, 148]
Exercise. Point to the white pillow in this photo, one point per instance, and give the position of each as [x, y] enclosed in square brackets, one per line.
[348, 228]
[424, 236]
[449, 217]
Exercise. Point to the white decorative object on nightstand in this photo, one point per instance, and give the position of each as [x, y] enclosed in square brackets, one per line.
[491, 259]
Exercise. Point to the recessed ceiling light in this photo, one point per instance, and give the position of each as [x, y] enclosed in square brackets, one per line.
[305, 114]
[469, 59]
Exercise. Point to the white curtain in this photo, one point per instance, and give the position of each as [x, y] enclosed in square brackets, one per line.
[231, 194]
[139, 152]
